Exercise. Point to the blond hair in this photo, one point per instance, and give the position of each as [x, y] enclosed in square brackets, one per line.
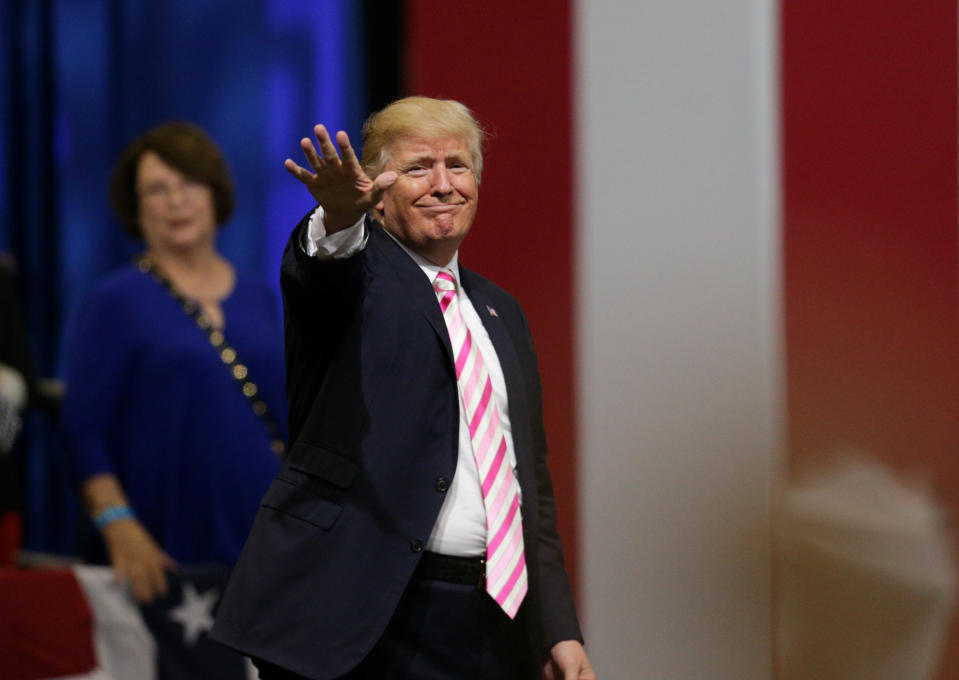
[420, 118]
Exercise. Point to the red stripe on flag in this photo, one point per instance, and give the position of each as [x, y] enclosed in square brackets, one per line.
[45, 625]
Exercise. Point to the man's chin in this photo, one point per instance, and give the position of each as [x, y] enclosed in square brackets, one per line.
[443, 232]
[443, 223]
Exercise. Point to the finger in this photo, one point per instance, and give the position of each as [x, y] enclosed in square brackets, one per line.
[321, 134]
[312, 157]
[548, 670]
[349, 155]
[140, 584]
[167, 561]
[330, 156]
[158, 580]
[300, 173]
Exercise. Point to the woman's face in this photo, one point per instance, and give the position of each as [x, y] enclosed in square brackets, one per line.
[176, 212]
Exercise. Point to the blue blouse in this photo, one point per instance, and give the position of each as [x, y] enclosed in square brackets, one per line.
[149, 400]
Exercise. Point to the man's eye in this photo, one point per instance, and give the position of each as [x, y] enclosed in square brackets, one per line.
[416, 170]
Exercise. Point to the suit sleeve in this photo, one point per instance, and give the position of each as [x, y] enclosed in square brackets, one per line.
[319, 297]
[557, 608]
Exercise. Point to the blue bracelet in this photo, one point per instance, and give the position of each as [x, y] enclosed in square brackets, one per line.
[111, 514]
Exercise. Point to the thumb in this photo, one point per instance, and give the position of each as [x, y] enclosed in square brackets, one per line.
[121, 572]
[383, 181]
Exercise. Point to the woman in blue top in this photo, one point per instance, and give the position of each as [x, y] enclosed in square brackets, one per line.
[175, 406]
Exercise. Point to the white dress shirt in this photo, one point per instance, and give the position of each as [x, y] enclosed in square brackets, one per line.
[460, 528]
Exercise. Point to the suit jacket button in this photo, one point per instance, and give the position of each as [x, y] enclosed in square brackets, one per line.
[416, 545]
[442, 484]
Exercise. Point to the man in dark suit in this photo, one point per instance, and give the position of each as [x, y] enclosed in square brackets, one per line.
[411, 533]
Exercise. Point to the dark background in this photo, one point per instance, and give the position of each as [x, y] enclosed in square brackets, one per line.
[80, 79]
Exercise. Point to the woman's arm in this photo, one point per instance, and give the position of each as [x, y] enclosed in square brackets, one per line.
[134, 554]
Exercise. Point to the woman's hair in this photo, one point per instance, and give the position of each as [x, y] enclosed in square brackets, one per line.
[416, 118]
[184, 147]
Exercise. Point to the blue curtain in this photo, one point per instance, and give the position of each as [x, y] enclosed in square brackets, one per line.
[80, 78]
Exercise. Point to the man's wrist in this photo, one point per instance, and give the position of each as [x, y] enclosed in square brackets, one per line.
[334, 222]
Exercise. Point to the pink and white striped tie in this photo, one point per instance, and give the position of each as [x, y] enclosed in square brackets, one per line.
[506, 579]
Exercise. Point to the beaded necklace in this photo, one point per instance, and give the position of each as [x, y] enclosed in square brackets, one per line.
[238, 370]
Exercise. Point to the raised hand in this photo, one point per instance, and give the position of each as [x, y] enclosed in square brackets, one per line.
[338, 184]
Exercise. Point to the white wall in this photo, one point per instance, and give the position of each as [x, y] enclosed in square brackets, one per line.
[679, 341]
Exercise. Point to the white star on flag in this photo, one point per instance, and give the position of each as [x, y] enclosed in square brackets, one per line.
[195, 613]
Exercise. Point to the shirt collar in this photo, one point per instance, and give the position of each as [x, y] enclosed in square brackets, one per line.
[428, 268]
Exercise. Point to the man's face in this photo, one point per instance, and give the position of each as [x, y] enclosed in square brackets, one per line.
[431, 206]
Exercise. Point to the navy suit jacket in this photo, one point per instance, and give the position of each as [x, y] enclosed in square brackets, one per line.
[374, 421]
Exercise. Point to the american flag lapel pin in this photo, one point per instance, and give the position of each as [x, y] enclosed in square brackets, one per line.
[492, 312]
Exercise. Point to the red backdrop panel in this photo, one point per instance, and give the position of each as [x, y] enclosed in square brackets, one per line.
[510, 63]
[870, 210]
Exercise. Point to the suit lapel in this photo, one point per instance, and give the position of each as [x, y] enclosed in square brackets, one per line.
[421, 295]
[413, 282]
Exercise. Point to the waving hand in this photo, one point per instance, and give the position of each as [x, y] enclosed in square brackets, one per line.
[340, 185]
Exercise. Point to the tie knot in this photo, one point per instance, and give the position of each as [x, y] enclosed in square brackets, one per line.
[444, 282]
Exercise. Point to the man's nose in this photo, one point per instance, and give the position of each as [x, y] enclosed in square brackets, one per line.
[441, 179]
